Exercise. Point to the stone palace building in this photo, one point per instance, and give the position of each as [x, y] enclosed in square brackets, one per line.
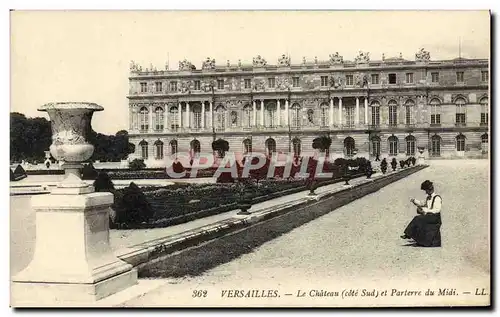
[388, 107]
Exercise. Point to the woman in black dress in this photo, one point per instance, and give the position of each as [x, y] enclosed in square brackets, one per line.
[425, 228]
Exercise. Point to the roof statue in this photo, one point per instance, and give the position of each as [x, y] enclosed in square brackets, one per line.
[259, 61]
[284, 61]
[304, 60]
[135, 67]
[336, 58]
[362, 57]
[400, 55]
[185, 65]
[383, 57]
[209, 63]
[422, 55]
[239, 63]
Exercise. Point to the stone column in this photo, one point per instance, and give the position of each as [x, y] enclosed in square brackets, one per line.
[254, 114]
[165, 118]
[179, 114]
[356, 117]
[331, 111]
[278, 112]
[366, 110]
[287, 113]
[211, 115]
[340, 111]
[188, 115]
[262, 112]
[151, 122]
[203, 114]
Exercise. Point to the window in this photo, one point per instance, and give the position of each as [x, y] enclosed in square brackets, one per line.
[197, 118]
[409, 78]
[393, 113]
[376, 146]
[144, 149]
[173, 147]
[159, 117]
[410, 145]
[436, 146]
[484, 111]
[173, 86]
[393, 145]
[435, 77]
[271, 82]
[460, 143]
[484, 76]
[296, 147]
[270, 146]
[409, 111]
[247, 146]
[295, 81]
[460, 77]
[324, 81]
[247, 116]
[324, 115]
[220, 84]
[159, 150]
[435, 112]
[484, 143]
[271, 115]
[174, 118]
[349, 146]
[248, 83]
[144, 87]
[197, 85]
[392, 79]
[375, 114]
[220, 118]
[144, 119]
[375, 79]
[349, 80]
[295, 114]
[349, 116]
[460, 112]
[158, 86]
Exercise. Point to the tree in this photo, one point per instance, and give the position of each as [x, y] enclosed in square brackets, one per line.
[29, 137]
[322, 144]
[220, 146]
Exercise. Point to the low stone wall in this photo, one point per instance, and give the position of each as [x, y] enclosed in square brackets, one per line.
[186, 253]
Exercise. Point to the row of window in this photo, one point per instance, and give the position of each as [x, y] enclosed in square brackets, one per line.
[349, 81]
[349, 146]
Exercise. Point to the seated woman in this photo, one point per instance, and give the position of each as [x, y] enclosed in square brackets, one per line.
[425, 228]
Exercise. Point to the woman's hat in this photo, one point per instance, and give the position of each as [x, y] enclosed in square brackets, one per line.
[427, 185]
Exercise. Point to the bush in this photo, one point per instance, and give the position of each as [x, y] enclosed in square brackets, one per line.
[383, 166]
[103, 183]
[137, 164]
[402, 163]
[89, 172]
[413, 160]
[394, 163]
[131, 206]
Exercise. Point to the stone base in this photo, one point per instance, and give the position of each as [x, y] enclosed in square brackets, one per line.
[32, 294]
[420, 161]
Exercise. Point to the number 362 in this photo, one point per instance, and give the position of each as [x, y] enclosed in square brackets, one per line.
[199, 293]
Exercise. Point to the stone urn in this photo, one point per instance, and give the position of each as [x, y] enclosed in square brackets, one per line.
[421, 159]
[70, 122]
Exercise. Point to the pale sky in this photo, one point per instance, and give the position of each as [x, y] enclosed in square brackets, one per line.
[85, 56]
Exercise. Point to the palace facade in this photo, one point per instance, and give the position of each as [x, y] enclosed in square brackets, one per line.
[387, 107]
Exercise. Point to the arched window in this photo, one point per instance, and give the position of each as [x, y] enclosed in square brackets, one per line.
[436, 145]
[310, 117]
[173, 147]
[484, 143]
[270, 111]
[295, 115]
[144, 119]
[174, 118]
[409, 109]
[247, 116]
[270, 146]
[247, 146]
[484, 110]
[375, 146]
[460, 112]
[393, 145]
[435, 111]
[349, 116]
[195, 148]
[460, 143]
[410, 145]
[375, 113]
[144, 149]
[197, 117]
[220, 118]
[159, 116]
[324, 115]
[234, 118]
[296, 147]
[349, 146]
[393, 113]
[159, 150]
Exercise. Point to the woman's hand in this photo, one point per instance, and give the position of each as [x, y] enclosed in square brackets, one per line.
[413, 201]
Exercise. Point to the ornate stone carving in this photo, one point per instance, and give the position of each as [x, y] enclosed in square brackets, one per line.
[135, 67]
[422, 55]
[259, 85]
[361, 80]
[185, 86]
[186, 65]
[282, 83]
[259, 61]
[336, 58]
[209, 63]
[338, 82]
[284, 61]
[363, 57]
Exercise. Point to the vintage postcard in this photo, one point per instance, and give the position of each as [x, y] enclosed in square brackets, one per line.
[250, 159]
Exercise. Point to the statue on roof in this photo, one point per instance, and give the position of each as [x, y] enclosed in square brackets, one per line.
[362, 57]
[259, 61]
[186, 65]
[422, 55]
[284, 61]
[336, 58]
[208, 63]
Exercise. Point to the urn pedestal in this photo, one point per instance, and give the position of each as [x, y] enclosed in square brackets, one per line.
[73, 263]
[421, 159]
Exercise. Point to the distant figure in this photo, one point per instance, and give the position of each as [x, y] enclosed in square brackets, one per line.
[47, 164]
[377, 158]
[425, 229]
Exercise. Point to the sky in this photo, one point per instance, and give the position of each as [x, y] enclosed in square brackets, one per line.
[85, 55]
